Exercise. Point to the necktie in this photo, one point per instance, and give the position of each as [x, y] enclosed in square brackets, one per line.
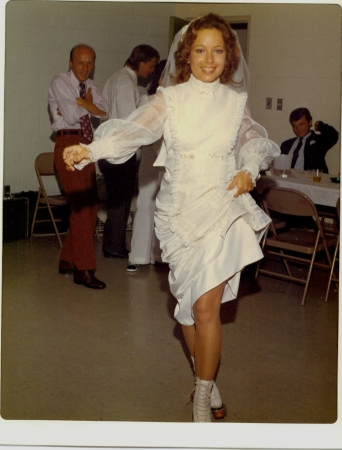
[86, 129]
[295, 153]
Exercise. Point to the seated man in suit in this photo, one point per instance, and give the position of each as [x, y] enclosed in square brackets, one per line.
[308, 149]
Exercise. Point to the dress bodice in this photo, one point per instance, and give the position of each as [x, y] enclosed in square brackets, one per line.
[203, 116]
[203, 122]
[201, 131]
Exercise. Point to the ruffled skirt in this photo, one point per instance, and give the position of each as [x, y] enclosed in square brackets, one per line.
[218, 256]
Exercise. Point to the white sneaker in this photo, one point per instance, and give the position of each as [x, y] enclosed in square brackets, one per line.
[132, 267]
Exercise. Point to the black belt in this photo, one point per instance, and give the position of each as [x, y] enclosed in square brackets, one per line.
[61, 132]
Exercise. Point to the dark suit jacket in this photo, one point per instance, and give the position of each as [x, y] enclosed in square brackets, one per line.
[316, 147]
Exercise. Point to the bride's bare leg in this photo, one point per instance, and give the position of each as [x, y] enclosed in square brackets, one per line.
[189, 333]
[206, 338]
[208, 333]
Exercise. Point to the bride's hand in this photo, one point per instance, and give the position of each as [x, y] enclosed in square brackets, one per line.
[75, 154]
[243, 182]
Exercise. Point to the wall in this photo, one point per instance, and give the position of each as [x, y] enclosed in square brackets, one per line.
[294, 54]
[39, 36]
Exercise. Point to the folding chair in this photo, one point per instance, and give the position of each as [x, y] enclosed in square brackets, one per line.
[293, 244]
[327, 215]
[332, 276]
[44, 166]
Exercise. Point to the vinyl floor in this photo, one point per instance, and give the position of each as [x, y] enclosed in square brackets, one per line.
[77, 354]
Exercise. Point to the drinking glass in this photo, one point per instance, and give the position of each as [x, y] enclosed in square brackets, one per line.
[317, 175]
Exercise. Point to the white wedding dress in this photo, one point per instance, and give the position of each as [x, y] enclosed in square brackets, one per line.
[206, 235]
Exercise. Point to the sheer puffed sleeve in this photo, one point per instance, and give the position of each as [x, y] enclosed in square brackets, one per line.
[254, 151]
[117, 140]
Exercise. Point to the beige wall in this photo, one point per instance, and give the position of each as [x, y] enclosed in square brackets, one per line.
[294, 54]
[39, 36]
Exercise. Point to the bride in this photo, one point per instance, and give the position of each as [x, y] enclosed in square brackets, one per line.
[208, 225]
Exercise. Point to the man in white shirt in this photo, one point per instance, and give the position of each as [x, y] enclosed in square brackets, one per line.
[121, 92]
[73, 97]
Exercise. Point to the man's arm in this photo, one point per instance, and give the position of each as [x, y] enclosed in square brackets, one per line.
[62, 101]
[63, 96]
[98, 100]
[88, 104]
[328, 136]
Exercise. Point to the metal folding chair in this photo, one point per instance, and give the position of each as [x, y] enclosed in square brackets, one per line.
[333, 276]
[44, 166]
[294, 245]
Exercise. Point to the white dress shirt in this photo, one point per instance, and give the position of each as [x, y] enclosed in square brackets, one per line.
[63, 91]
[122, 93]
[300, 160]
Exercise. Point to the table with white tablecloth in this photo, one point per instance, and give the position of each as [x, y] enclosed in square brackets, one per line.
[324, 192]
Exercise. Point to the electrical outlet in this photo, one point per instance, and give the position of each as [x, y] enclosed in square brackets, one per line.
[268, 103]
[279, 104]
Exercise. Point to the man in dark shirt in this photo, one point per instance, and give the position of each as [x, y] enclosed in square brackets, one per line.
[121, 92]
[308, 149]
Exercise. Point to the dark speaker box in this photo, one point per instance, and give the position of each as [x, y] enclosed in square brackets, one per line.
[15, 219]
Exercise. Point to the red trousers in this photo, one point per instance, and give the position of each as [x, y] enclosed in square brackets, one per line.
[81, 191]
